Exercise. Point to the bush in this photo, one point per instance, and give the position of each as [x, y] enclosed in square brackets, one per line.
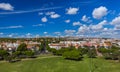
[113, 53]
[103, 50]
[42, 46]
[3, 53]
[22, 47]
[54, 51]
[8, 58]
[72, 55]
[92, 53]
[62, 50]
[17, 53]
[83, 50]
[29, 53]
[107, 56]
[11, 58]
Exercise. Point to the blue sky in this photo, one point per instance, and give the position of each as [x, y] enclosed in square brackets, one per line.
[82, 18]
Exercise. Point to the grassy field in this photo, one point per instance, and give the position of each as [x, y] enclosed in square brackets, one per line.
[58, 64]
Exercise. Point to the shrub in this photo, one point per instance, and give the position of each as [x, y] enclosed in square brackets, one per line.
[42, 46]
[17, 53]
[103, 50]
[72, 55]
[3, 53]
[54, 51]
[62, 50]
[92, 53]
[107, 56]
[83, 50]
[29, 53]
[9, 58]
[113, 53]
[22, 47]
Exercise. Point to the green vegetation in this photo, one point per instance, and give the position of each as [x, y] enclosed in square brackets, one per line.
[14, 56]
[3, 54]
[58, 64]
[63, 60]
[83, 50]
[72, 55]
[91, 53]
[22, 47]
[112, 53]
[28, 53]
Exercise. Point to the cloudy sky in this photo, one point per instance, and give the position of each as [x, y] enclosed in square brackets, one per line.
[82, 18]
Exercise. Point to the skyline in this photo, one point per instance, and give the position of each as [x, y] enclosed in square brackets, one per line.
[82, 18]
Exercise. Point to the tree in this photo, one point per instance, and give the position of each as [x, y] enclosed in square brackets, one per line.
[29, 53]
[42, 46]
[103, 50]
[17, 53]
[72, 55]
[92, 53]
[113, 53]
[22, 47]
[47, 47]
[3, 53]
[54, 51]
[83, 50]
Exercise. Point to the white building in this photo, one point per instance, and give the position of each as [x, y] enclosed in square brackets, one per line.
[57, 46]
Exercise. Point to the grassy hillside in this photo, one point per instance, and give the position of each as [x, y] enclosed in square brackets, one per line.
[58, 64]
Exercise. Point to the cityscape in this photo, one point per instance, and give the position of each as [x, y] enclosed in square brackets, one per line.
[59, 36]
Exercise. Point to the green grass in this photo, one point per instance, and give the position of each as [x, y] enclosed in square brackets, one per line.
[58, 64]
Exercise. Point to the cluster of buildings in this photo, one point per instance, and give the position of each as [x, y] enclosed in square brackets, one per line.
[14, 45]
[97, 43]
[93, 42]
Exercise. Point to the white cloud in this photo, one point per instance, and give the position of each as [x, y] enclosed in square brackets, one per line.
[99, 12]
[40, 13]
[6, 6]
[1, 33]
[10, 35]
[72, 10]
[116, 21]
[117, 27]
[57, 33]
[85, 18]
[103, 22]
[12, 27]
[83, 29]
[67, 21]
[13, 35]
[50, 13]
[44, 19]
[28, 11]
[76, 23]
[99, 25]
[96, 27]
[45, 32]
[69, 32]
[28, 35]
[111, 33]
[105, 29]
[37, 25]
[54, 15]
[37, 35]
